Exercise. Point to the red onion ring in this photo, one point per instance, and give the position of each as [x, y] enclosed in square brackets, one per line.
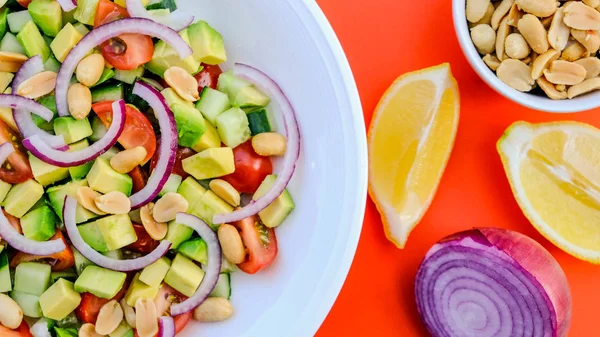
[45, 153]
[166, 326]
[67, 5]
[212, 269]
[69, 210]
[167, 148]
[104, 33]
[176, 20]
[272, 89]
[25, 123]
[492, 282]
[40, 328]
[14, 238]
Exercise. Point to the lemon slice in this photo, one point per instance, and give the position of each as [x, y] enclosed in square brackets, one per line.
[554, 172]
[410, 140]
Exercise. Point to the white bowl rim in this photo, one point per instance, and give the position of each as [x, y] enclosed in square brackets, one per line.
[577, 104]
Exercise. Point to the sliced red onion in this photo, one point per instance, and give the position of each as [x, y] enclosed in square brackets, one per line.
[176, 20]
[492, 282]
[25, 123]
[272, 89]
[45, 153]
[67, 5]
[16, 239]
[166, 326]
[104, 33]
[69, 210]
[40, 328]
[167, 148]
[212, 269]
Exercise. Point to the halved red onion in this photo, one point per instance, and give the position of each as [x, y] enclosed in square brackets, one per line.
[104, 33]
[492, 282]
[69, 210]
[176, 20]
[16, 239]
[278, 98]
[166, 326]
[212, 269]
[67, 5]
[25, 123]
[167, 148]
[45, 153]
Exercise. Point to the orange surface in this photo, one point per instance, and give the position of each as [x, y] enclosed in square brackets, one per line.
[384, 39]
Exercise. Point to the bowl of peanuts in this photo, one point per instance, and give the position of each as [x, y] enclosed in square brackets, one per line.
[542, 54]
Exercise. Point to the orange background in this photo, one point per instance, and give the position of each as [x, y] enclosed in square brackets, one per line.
[384, 39]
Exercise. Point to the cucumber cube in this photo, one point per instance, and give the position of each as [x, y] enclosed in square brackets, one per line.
[233, 127]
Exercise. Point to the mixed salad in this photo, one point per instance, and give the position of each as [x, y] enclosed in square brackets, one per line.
[136, 174]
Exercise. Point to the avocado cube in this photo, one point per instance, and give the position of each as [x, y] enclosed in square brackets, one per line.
[39, 224]
[56, 197]
[172, 98]
[184, 276]
[47, 14]
[139, 289]
[250, 97]
[123, 330]
[64, 41]
[210, 205]
[90, 232]
[5, 279]
[178, 233]
[32, 278]
[195, 249]
[206, 43]
[3, 22]
[18, 20]
[72, 129]
[33, 42]
[101, 282]
[210, 163]
[30, 304]
[209, 139]
[166, 56]
[171, 185]
[59, 300]
[191, 190]
[278, 210]
[22, 197]
[5, 78]
[103, 178]
[79, 172]
[233, 127]
[117, 231]
[7, 117]
[45, 173]
[86, 11]
[154, 274]
[190, 124]
[4, 188]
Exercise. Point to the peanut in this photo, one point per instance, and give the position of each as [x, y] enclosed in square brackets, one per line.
[156, 230]
[592, 3]
[184, 84]
[128, 312]
[580, 16]
[484, 38]
[539, 8]
[584, 87]
[79, 98]
[11, 314]
[269, 144]
[534, 33]
[588, 38]
[550, 89]
[487, 17]
[516, 74]
[213, 309]
[476, 9]
[514, 15]
[591, 65]
[89, 70]
[564, 72]
[86, 198]
[491, 61]
[231, 243]
[558, 34]
[125, 161]
[225, 191]
[167, 207]
[38, 85]
[113, 202]
[88, 330]
[501, 12]
[574, 51]
[12, 57]
[109, 318]
[542, 62]
[501, 34]
[146, 318]
[516, 47]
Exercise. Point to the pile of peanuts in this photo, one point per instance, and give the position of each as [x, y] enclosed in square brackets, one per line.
[545, 43]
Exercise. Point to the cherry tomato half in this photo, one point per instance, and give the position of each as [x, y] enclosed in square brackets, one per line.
[138, 130]
[208, 77]
[128, 51]
[17, 170]
[250, 169]
[21, 331]
[90, 305]
[144, 244]
[24, 3]
[182, 153]
[108, 11]
[139, 177]
[260, 242]
[164, 299]
[59, 261]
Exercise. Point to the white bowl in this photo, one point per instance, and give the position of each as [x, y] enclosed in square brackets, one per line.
[542, 103]
[292, 41]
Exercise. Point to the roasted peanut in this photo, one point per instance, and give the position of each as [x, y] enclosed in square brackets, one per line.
[501, 34]
[184, 84]
[534, 33]
[125, 161]
[269, 144]
[539, 8]
[574, 51]
[516, 47]
[113, 202]
[38, 85]
[546, 22]
[109, 318]
[592, 3]
[487, 17]
[128, 312]
[550, 89]
[580, 16]
[584, 87]
[591, 65]
[558, 34]
[88, 330]
[214, 309]
[86, 198]
[89, 70]
[561, 87]
[514, 15]
[476, 9]
[484, 38]
[11, 314]
[146, 318]
[225, 191]
[501, 12]
[156, 230]
[231, 243]
[588, 38]
[564, 72]
[12, 57]
[516, 74]
[167, 207]
[491, 61]
[543, 62]
[79, 98]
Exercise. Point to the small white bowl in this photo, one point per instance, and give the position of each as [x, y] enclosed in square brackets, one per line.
[542, 103]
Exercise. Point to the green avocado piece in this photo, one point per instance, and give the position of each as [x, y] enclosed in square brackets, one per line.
[278, 210]
[39, 224]
[107, 74]
[66, 39]
[5, 79]
[166, 56]
[30, 304]
[59, 300]
[49, 102]
[210, 163]
[69, 17]
[206, 43]
[190, 124]
[208, 206]
[47, 14]
[17, 20]
[66, 332]
[5, 279]
[32, 277]
[209, 139]
[191, 190]
[3, 22]
[72, 129]
[172, 98]
[250, 97]
[103, 178]
[56, 197]
[45, 173]
[178, 233]
[22, 197]
[184, 276]
[195, 249]
[101, 282]
[233, 127]
[117, 231]
[33, 42]
[90, 232]
[154, 274]
[4, 188]
[79, 172]
[86, 11]
[171, 185]
[139, 289]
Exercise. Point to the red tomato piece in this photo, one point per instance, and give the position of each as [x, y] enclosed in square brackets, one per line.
[164, 299]
[139, 178]
[208, 77]
[144, 244]
[108, 11]
[17, 170]
[260, 242]
[59, 261]
[21, 331]
[24, 3]
[90, 304]
[128, 51]
[138, 130]
[182, 153]
[250, 169]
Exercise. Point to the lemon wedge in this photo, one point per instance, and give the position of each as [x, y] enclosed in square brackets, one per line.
[410, 139]
[554, 172]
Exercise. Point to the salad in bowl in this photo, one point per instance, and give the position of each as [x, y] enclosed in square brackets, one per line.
[137, 173]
